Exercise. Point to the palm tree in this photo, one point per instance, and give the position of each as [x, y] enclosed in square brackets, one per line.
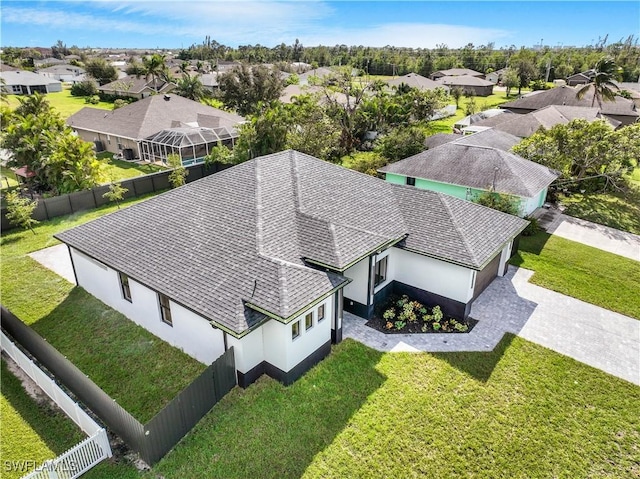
[190, 87]
[602, 84]
[154, 67]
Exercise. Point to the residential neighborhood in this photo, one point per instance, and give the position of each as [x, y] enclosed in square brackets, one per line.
[415, 253]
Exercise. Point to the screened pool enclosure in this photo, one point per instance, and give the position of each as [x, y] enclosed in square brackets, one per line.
[191, 144]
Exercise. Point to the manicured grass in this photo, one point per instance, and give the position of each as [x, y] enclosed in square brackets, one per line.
[116, 170]
[137, 369]
[63, 102]
[586, 273]
[521, 411]
[619, 210]
[30, 431]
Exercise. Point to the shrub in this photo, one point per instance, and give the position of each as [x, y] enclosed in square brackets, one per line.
[84, 88]
[437, 314]
[93, 100]
[389, 314]
[436, 326]
[461, 327]
[119, 103]
[401, 143]
[532, 228]
[400, 324]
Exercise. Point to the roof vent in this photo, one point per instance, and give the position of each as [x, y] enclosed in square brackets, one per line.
[167, 98]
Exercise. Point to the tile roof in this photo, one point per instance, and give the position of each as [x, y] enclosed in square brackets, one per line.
[148, 116]
[237, 242]
[469, 162]
[566, 95]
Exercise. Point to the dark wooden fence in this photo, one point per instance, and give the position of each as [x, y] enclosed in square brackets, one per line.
[154, 439]
[89, 199]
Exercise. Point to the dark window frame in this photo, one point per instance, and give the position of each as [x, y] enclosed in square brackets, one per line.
[321, 312]
[308, 321]
[411, 181]
[295, 330]
[125, 287]
[165, 309]
[380, 271]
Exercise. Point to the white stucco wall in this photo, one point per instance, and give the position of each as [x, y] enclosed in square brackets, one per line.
[357, 289]
[439, 277]
[189, 332]
[248, 350]
[504, 257]
[529, 205]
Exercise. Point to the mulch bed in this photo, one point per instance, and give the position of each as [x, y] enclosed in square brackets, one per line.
[379, 324]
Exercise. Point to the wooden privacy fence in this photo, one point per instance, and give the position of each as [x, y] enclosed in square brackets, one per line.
[80, 458]
[67, 204]
[154, 439]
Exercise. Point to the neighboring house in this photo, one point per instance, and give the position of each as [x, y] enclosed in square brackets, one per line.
[621, 109]
[290, 92]
[64, 73]
[476, 118]
[48, 61]
[142, 129]
[469, 84]
[21, 82]
[134, 87]
[210, 81]
[316, 75]
[581, 78]
[523, 126]
[413, 80]
[264, 256]
[633, 88]
[300, 67]
[466, 167]
[496, 76]
[456, 72]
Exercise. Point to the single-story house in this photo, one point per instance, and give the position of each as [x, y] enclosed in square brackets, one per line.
[472, 85]
[523, 126]
[21, 82]
[620, 109]
[210, 81]
[64, 73]
[316, 75]
[142, 129]
[413, 80]
[264, 256]
[134, 87]
[496, 76]
[580, 78]
[290, 92]
[467, 167]
[455, 72]
[476, 118]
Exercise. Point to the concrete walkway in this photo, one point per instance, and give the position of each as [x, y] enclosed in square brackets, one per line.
[591, 234]
[56, 258]
[595, 336]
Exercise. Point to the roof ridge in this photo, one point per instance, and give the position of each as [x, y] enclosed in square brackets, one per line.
[259, 220]
[508, 157]
[442, 197]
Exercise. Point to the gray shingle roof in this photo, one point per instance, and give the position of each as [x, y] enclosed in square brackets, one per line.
[26, 78]
[470, 163]
[237, 240]
[566, 95]
[133, 84]
[458, 72]
[148, 116]
[414, 80]
[464, 80]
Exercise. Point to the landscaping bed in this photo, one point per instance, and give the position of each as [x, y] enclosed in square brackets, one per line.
[404, 315]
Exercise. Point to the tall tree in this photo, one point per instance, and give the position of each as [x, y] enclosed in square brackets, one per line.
[101, 71]
[190, 87]
[602, 83]
[244, 88]
[154, 68]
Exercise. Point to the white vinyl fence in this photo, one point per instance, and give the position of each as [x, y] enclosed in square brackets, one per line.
[84, 456]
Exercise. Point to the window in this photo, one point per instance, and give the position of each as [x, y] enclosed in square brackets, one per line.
[124, 286]
[165, 309]
[308, 321]
[380, 271]
[411, 181]
[295, 330]
[320, 312]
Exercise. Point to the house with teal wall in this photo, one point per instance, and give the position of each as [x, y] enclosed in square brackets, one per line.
[473, 164]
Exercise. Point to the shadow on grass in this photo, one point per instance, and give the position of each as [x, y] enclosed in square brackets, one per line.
[478, 365]
[56, 430]
[269, 430]
[530, 244]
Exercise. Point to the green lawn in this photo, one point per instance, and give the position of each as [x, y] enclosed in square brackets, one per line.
[137, 369]
[8, 179]
[521, 411]
[31, 431]
[586, 273]
[619, 210]
[63, 102]
[117, 170]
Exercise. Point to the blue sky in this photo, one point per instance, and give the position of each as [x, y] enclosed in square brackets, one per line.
[176, 24]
